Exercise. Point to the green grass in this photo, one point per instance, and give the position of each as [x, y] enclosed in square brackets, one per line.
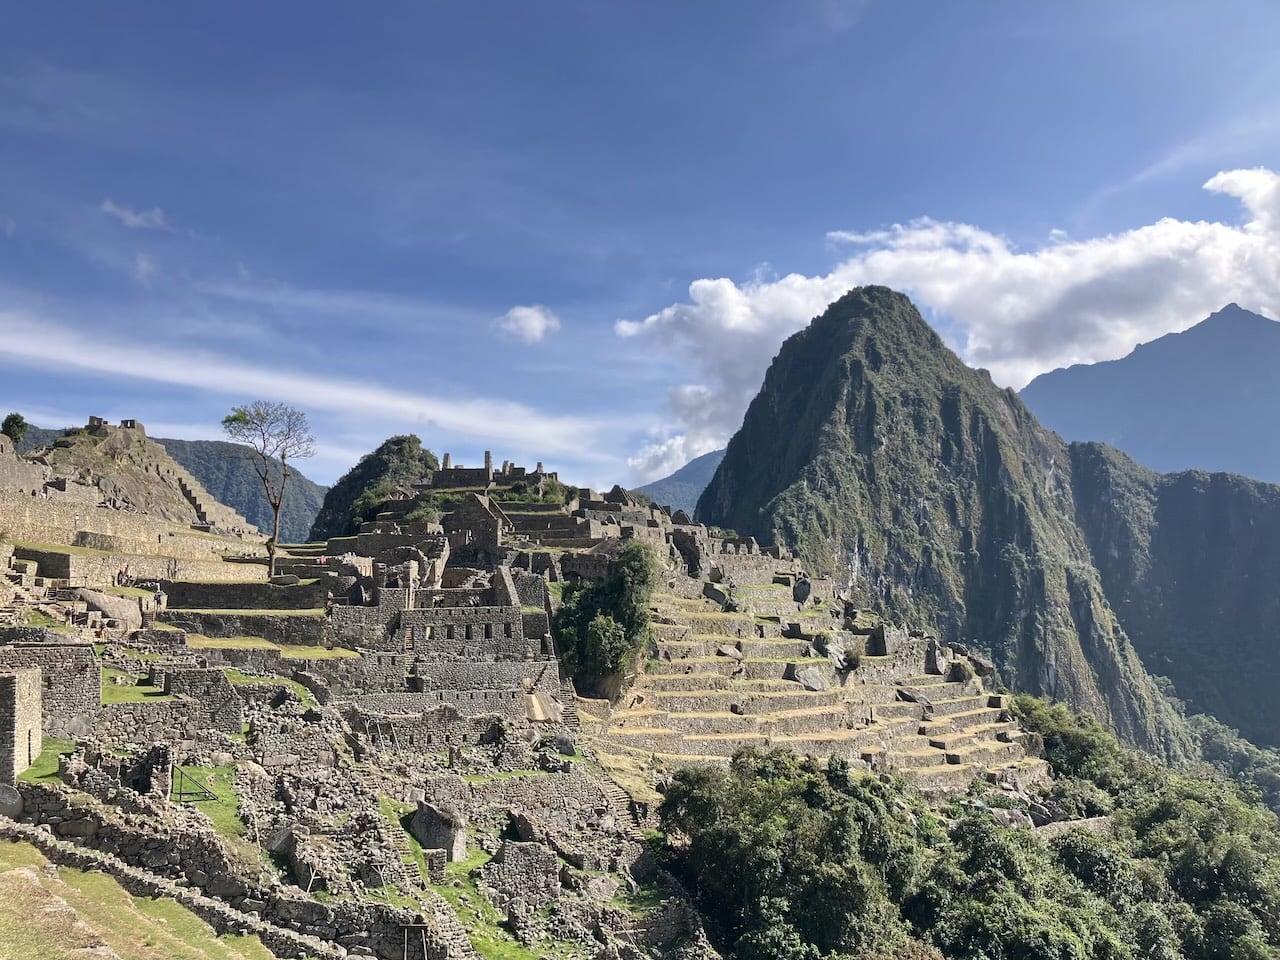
[294, 652]
[65, 914]
[395, 813]
[310, 612]
[62, 548]
[199, 642]
[557, 589]
[142, 655]
[38, 618]
[530, 608]
[241, 679]
[132, 692]
[481, 919]
[45, 766]
[133, 592]
[224, 811]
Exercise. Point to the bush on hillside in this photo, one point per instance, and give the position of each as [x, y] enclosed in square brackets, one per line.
[603, 626]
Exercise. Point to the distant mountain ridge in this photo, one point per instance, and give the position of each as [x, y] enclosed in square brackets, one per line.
[225, 472]
[1207, 398]
[681, 490]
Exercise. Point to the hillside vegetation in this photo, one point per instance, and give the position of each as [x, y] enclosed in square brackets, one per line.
[937, 498]
[226, 473]
[398, 461]
[795, 859]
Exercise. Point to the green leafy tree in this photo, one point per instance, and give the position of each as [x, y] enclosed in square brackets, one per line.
[790, 858]
[14, 427]
[603, 626]
[271, 431]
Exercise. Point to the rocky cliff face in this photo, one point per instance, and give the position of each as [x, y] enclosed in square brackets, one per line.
[1190, 562]
[884, 460]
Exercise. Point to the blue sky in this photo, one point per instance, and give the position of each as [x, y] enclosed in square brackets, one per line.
[577, 232]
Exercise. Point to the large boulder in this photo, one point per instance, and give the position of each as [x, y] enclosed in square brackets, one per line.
[440, 827]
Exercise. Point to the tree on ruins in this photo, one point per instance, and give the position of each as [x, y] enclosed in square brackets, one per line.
[14, 427]
[272, 432]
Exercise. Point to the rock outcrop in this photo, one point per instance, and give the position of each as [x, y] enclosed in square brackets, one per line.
[937, 497]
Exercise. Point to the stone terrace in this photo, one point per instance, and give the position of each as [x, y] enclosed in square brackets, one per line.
[722, 681]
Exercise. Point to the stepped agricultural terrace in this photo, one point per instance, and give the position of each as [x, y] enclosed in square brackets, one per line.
[804, 677]
[388, 720]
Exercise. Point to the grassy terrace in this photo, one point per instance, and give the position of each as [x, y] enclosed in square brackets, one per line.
[134, 691]
[311, 612]
[197, 642]
[241, 679]
[38, 618]
[66, 914]
[288, 651]
[45, 766]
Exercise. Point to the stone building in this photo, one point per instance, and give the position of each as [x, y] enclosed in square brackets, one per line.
[21, 729]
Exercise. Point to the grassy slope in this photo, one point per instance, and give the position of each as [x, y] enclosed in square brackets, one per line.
[67, 914]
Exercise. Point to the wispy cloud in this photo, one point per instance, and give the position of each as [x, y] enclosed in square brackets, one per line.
[34, 340]
[530, 324]
[144, 268]
[152, 219]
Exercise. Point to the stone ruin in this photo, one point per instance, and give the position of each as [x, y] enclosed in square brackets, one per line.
[393, 705]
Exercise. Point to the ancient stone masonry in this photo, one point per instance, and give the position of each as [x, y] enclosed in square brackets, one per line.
[21, 724]
[71, 680]
[403, 685]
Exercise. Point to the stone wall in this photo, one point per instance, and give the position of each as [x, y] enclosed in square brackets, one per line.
[20, 722]
[531, 589]
[237, 595]
[103, 568]
[300, 630]
[220, 703]
[141, 724]
[19, 477]
[70, 679]
[37, 520]
[508, 704]
[524, 871]
[494, 633]
[502, 675]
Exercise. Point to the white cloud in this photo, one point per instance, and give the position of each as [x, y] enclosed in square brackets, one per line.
[144, 268]
[530, 324]
[152, 219]
[34, 340]
[1016, 312]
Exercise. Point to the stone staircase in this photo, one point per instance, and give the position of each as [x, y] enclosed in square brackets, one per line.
[208, 510]
[620, 803]
[723, 681]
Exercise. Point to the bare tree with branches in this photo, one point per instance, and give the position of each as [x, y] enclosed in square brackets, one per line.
[273, 432]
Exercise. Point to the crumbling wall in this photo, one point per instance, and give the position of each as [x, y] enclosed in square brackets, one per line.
[70, 681]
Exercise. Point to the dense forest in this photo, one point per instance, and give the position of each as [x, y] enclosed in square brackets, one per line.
[799, 859]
